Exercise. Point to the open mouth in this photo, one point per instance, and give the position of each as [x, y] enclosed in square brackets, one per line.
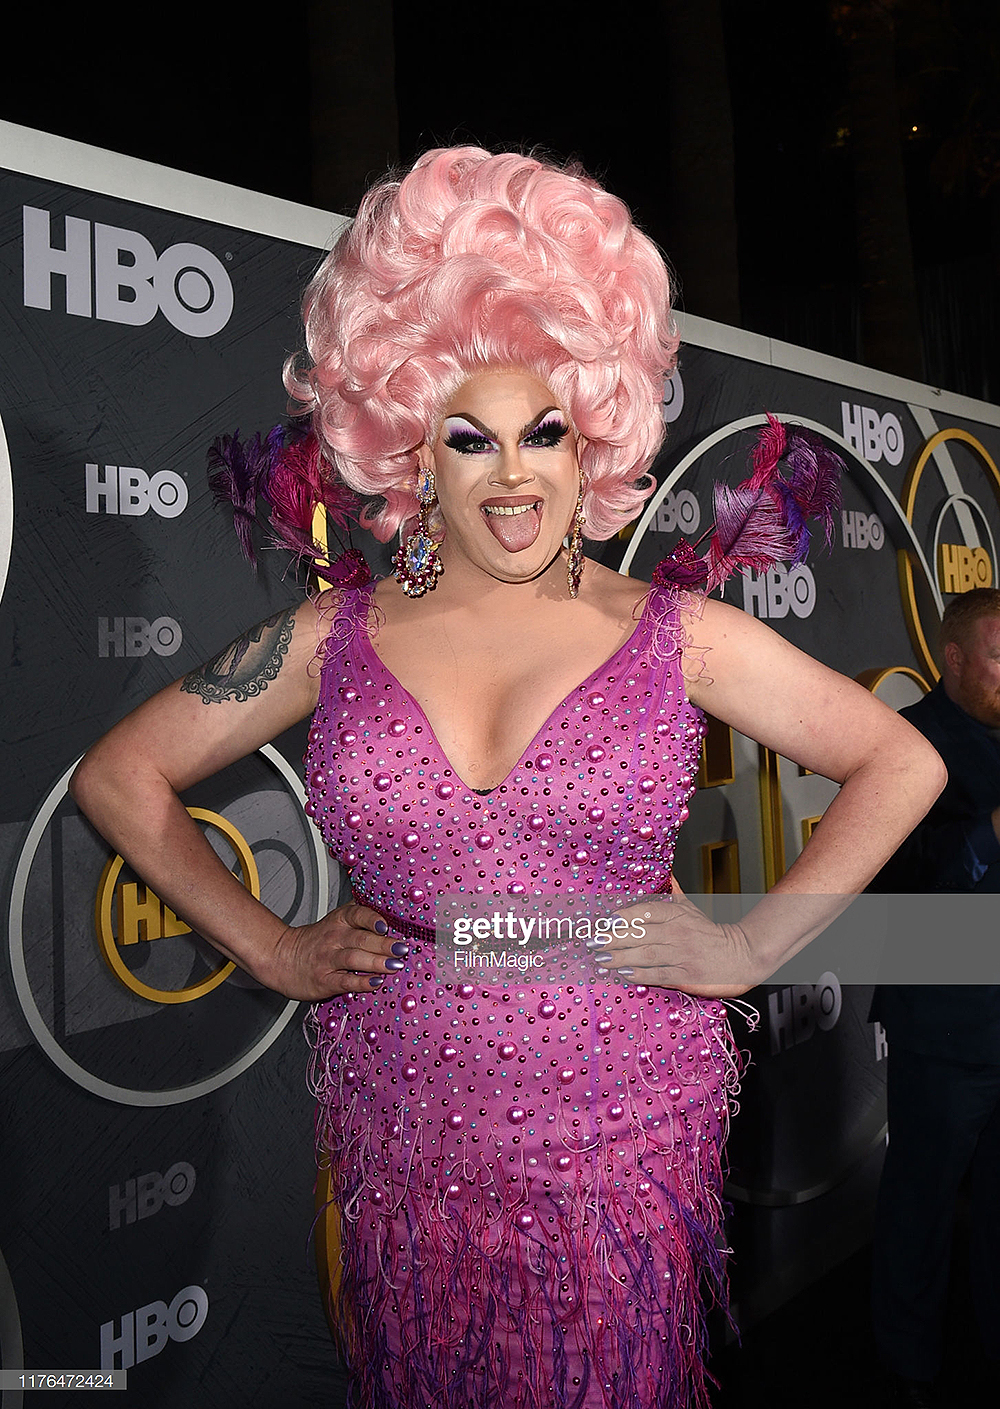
[514, 523]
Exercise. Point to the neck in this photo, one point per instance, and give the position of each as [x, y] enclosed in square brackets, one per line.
[464, 584]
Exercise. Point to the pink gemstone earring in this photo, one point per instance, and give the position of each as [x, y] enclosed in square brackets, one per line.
[574, 558]
[417, 563]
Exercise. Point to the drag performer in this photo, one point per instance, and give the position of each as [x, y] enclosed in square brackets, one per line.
[528, 1175]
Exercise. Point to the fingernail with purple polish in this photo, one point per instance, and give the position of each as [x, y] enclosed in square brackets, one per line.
[626, 973]
[377, 980]
[393, 966]
[401, 950]
[381, 927]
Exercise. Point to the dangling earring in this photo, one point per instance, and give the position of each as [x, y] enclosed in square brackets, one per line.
[416, 563]
[574, 559]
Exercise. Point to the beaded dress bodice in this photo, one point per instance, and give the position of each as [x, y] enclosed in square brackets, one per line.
[591, 808]
[527, 1173]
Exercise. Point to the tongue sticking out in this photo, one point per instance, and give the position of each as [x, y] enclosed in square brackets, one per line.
[515, 531]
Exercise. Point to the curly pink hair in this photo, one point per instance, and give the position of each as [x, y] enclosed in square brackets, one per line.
[472, 262]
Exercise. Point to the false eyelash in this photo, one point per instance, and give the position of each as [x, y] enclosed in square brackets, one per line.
[548, 435]
[463, 441]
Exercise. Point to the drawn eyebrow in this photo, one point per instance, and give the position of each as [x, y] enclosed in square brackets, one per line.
[525, 430]
[473, 421]
[533, 425]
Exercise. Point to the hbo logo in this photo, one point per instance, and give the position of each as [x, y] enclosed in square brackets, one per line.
[680, 510]
[673, 398]
[777, 593]
[146, 1331]
[124, 490]
[873, 436]
[119, 636]
[795, 1013]
[861, 530]
[145, 1195]
[130, 283]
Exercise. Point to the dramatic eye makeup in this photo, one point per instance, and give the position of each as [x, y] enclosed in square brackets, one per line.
[465, 437]
[551, 429]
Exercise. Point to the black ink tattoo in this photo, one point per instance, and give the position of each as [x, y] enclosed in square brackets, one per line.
[243, 670]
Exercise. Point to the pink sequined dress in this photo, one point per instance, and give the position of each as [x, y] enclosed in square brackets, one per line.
[528, 1176]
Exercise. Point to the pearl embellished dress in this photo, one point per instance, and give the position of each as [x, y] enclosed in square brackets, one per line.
[528, 1175]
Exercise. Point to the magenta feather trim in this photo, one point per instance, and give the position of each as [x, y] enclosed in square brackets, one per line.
[286, 470]
[763, 521]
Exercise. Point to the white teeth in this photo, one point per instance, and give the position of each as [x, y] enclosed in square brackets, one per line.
[518, 509]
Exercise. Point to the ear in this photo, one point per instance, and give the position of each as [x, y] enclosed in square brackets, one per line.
[425, 456]
[954, 657]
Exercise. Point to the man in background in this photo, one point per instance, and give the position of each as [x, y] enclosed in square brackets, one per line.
[944, 1042]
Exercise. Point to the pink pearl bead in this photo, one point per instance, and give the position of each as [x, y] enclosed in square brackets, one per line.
[382, 782]
[517, 1115]
[408, 1004]
[409, 1072]
[525, 1220]
[615, 1111]
[547, 1009]
[456, 1120]
[564, 1162]
[507, 1050]
[566, 1075]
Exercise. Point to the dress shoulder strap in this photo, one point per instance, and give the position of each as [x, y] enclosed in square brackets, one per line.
[344, 612]
[669, 596]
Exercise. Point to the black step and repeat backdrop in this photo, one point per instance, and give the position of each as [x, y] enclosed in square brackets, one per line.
[156, 1138]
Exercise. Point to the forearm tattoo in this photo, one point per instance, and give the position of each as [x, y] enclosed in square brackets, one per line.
[244, 669]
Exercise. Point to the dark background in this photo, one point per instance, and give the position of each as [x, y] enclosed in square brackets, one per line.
[821, 171]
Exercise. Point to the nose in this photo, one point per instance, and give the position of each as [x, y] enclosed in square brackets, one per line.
[510, 471]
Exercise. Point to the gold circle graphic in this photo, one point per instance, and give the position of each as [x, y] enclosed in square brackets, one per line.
[873, 677]
[908, 500]
[105, 934]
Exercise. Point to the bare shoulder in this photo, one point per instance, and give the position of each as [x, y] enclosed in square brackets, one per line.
[612, 592]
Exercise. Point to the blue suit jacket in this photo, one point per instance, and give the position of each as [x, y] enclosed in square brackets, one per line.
[953, 849]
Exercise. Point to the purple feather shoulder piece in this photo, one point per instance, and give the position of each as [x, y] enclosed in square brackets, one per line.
[285, 471]
[764, 520]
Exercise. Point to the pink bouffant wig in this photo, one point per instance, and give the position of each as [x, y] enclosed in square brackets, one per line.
[474, 262]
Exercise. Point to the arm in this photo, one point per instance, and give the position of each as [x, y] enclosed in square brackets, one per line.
[890, 775]
[956, 843]
[128, 785]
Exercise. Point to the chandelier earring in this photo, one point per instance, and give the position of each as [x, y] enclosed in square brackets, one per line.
[417, 563]
[574, 558]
